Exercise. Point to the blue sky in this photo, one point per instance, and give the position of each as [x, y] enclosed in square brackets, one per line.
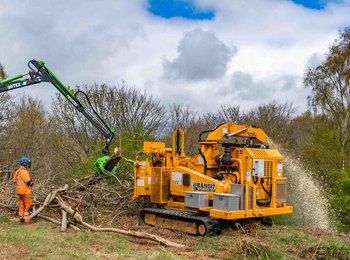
[187, 9]
[179, 8]
[313, 4]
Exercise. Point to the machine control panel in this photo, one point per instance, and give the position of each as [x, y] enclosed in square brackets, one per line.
[258, 167]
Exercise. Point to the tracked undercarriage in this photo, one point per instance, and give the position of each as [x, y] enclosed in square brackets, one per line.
[180, 220]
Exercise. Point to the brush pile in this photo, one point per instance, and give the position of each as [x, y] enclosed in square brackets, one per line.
[91, 196]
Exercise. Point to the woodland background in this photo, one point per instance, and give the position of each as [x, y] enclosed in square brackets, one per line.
[63, 145]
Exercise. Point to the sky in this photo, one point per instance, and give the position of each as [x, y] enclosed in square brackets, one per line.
[201, 53]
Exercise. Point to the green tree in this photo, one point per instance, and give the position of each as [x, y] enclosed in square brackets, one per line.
[327, 148]
[330, 89]
[341, 198]
[321, 151]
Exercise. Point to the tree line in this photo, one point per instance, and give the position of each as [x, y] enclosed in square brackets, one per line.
[63, 144]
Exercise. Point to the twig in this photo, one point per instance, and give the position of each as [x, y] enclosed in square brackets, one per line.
[319, 243]
[116, 215]
[8, 207]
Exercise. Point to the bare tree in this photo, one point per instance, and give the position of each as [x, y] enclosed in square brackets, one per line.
[275, 119]
[133, 110]
[27, 134]
[224, 114]
[180, 116]
[125, 109]
[5, 104]
[2, 72]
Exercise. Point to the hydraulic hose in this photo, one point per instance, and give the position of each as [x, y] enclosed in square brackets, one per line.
[205, 161]
[267, 192]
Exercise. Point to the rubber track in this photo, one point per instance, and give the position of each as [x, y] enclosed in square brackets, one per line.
[212, 225]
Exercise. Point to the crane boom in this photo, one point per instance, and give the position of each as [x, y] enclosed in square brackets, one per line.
[38, 73]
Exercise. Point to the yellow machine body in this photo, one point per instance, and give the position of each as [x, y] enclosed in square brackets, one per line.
[230, 156]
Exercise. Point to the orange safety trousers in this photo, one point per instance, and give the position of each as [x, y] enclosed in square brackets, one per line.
[25, 202]
[20, 178]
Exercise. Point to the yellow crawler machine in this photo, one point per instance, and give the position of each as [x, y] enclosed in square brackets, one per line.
[235, 176]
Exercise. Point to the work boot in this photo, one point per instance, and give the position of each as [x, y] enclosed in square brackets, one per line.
[26, 218]
[21, 217]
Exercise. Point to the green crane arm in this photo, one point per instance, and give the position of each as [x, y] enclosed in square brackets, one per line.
[38, 73]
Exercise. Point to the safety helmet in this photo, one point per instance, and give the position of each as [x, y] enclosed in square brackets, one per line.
[25, 161]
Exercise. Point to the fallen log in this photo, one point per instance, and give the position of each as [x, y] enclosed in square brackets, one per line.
[77, 217]
[136, 234]
[64, 221]
[48, 200]
[58, 222]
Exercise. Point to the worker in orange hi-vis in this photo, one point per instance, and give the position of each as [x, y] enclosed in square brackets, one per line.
[23, 183]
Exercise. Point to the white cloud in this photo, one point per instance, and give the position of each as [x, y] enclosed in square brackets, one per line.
[246, 88]
[201, 56]
[106, 42]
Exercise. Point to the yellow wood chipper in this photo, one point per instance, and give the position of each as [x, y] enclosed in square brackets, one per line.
[234, 176]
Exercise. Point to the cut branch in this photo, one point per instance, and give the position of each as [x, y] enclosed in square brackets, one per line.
[136, 234]
[64, 221]
[48, 200]
[57, 222]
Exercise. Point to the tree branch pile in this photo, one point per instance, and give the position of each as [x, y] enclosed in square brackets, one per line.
[89, 197]
[72, 218]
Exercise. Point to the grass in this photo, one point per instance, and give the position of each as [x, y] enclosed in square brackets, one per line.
[334, 250]
[293, 237]
[264, 253]
[283, 220]
[43, 240]
[278, 242]
[46, 241]
[165, 256]
[209, 243]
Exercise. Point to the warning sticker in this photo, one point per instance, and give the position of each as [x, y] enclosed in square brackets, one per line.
[247, 176]
[141, 182]
[177, 177]
[200, 160]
